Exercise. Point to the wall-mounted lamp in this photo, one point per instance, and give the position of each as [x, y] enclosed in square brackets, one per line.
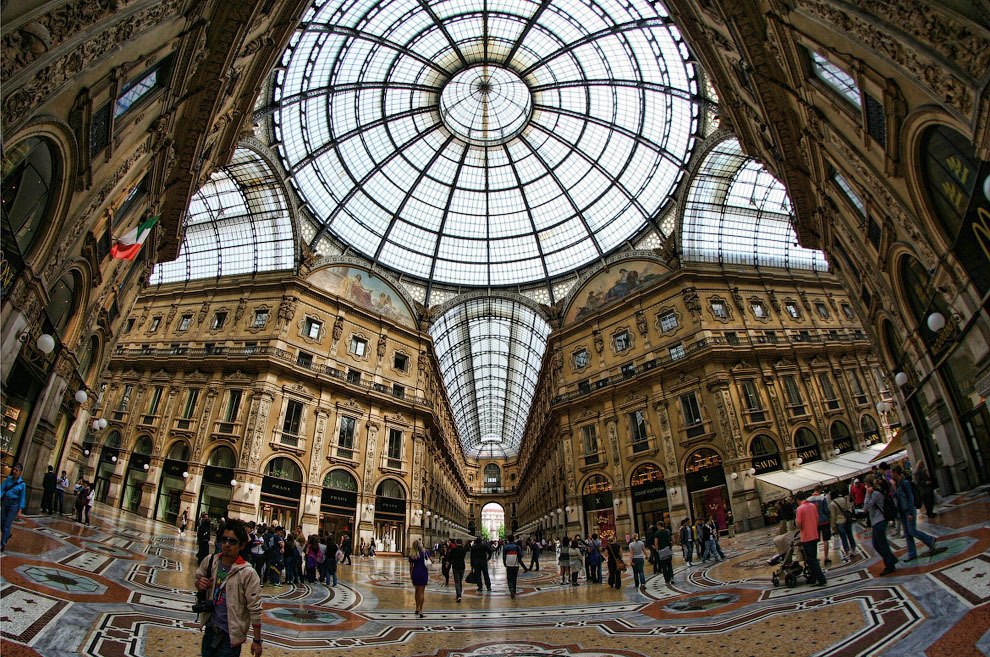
[884, 407]
[800, 460]
[567, 509]
[185, 475]
[113, 459]
[901, 379]
[735, 475]
[251, 487]
[81, 396]
[96, 425]
[837, 451]
[103, 423]
[674, 492]
[85, 452]
[146, 467]
[233, 483]
[429, 513]
[45, 343]
[370, 508]
[751, 472]
[936, 322]
[559, 511]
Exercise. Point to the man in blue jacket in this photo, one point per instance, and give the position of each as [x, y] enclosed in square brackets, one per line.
[13, 498]
[908, 511]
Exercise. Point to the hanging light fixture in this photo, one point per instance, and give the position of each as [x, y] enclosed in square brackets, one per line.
[81, 396]
[901, 378]
[45, 343]
[96, 425]
[936, 321]
[103, 423]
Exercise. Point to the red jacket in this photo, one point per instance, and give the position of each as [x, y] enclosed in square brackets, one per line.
[807, 521]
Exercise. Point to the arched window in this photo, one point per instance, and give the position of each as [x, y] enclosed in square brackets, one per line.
[703, 458]
[143, 446]
[113, 440]
[646, 473]
[807, 445]
[31, 172]
[842, 439]
[871, 431]
[340, 480]
[597, 484]
[921, 298]
[222, 457]
[390, 488]
[493, 476]
[283, 468]
[179, 451]
[62, 303]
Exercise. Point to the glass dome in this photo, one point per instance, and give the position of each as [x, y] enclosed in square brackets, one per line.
[485, 143]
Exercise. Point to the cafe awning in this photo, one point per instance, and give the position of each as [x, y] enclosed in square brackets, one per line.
[775, 485]
[891, 449]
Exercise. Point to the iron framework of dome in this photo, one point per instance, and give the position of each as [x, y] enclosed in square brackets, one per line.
[485, 144]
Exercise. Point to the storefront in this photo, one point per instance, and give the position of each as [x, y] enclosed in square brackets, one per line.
[842, 439]
[338, 504]
[806, 444]
[215, 493]
[109, 454]
[170, 490]
[281, 491]
[599, 514]
[649, 497]
[707, 489]
[390, 517]
[136, 474]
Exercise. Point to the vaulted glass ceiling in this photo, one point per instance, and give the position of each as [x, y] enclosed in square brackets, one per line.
[486, 143]
[490, 351]
[237, 223]
[737, 212]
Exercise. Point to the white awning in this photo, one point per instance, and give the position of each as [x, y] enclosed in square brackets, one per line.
[775, 485]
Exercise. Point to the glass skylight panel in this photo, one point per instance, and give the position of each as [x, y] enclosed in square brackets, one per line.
[836, 78]
[364, 137]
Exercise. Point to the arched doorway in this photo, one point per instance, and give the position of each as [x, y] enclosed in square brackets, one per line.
[338, 503]
[136, 474]
[842, 439]
[109, 454]
[707, 490]
[214, 494]
[492, 520]
[806, 444]
[281, 492]
[599, 515]
[649, 496]
[390, 516]
[173, 482]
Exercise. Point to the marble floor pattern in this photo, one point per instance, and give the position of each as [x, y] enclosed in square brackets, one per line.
[122, 587]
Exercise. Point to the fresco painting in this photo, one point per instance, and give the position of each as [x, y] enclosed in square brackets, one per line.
[608, 286]
[365, 290]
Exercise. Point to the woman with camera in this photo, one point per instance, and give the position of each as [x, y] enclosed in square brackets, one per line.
[229, 598]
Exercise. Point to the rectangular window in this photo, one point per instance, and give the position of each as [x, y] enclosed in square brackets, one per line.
[770, 337]
[125, 399]
[692, 415]
[637, 431]
[398, 391]
[99, 131]
[792, 309]
[345, 438]
[677, 352]
[847, 310]
[153, 404]
[668, 321]
[873, 232]
[581, 359]
[837, 79]
[731, 337]
[589, 440]
[130, 202]
[184, 322]
[395, 449]
[129, 325]
[828, 391]
[156, 321]
[219, 319]
[822, 309]
[141, 87]
[304, 359]
[260, 319]
[720, 310]
[292, 423]
[353, 376]
[358, 346]
[191, 398]
[584, 387]
[752, 400]
[622, 341]
[759, 310]
[400, 362]
[233, 405]
[849, 192]
[794, 400]
[876, 120]
[857, 387]
[313, 327]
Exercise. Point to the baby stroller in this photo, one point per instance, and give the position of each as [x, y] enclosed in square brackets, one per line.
[790, 559]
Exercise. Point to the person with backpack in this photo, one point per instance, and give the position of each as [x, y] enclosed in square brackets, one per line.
[293, 560]
[665, 552]
[879, 506]
[819, 499]
[512, 559]
[807, 522]
[313, 557]
[842, 515]
[595, 559]
[908, 502]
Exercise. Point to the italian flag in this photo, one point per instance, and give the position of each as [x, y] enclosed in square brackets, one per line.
[129, 244]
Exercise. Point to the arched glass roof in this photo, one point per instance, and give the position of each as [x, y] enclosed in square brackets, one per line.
[487, 143]
[490, 351]
[737, 212]
[237, 223]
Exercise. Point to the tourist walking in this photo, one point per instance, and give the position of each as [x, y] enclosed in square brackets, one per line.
[480, 554]
[419, 573]
[48, 486]
[615, 563]
[687, 541]
[874, 507]
[456, 557]
[842, 516]
[534, 559]
[512, 559]
[13, 499]
[665, 552]
[637, 551]
[807, 522]
[203, 537]
[907, 507]
[577, 559]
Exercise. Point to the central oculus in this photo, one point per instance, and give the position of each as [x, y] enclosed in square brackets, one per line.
[486, 105]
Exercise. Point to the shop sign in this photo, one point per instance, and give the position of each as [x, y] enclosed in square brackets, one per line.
[597, 501]
[809, 453]
[705, 478]
[390, 506]
[649, 491]
[843, 444]
[281, 488]
[174, 468]
[339, 498]
[220, 476]
[767, 463]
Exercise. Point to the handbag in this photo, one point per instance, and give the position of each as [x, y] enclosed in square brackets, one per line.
[665, 553]
[472, 577]
[621, 565]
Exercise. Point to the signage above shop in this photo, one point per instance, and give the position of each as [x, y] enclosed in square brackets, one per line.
[651, 490]
[339, 498]
[390, 506]
[283, 488]
[766, 463]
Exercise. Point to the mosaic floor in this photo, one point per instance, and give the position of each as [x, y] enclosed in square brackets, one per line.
[122, 587]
